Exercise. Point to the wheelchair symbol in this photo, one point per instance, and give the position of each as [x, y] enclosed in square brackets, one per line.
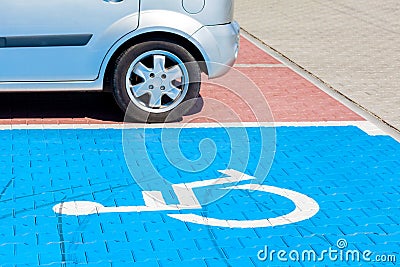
[305, 207]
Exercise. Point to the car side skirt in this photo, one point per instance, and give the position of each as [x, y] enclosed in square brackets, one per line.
[64, 86]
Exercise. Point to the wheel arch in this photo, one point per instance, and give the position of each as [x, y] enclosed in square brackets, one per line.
[159, 35]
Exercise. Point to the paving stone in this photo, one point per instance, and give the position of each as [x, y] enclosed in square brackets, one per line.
[353, 204]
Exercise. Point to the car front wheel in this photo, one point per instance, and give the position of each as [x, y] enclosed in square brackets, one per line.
[154, 80]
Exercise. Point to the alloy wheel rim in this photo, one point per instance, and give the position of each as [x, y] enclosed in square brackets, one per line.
[157, 81]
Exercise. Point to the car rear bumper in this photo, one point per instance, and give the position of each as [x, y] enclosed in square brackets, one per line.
[220, 47]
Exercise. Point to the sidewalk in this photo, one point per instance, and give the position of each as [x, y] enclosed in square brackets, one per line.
[351, 45]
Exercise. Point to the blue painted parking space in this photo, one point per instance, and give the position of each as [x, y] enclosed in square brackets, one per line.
[353, 177]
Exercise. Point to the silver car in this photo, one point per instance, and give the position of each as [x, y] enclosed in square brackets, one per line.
[149, 53]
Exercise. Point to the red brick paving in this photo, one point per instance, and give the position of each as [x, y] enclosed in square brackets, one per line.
[290, 97]
[251, 54]
[293, 98]
[223, 105]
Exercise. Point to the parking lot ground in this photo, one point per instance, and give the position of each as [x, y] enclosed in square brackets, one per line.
[78, 188]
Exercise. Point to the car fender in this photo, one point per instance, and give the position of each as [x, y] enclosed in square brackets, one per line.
[158, 21]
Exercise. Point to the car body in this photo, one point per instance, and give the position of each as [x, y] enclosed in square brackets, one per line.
[69, 45]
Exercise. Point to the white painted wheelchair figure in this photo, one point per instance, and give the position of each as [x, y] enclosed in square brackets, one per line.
[305, 207]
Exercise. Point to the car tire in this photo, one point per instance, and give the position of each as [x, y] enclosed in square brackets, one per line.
[156, 81]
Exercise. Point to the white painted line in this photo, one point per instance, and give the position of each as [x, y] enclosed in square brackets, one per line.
[186, 196]
[371, 129]
[83, 208]
[260, 66]
[233, 177]
[78, 208]
[153, 199]
[6, 127]
[368, 127]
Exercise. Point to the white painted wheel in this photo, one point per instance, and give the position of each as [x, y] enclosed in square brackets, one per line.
[306, 207]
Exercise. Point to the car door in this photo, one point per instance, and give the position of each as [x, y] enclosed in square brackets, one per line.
[60, 40]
